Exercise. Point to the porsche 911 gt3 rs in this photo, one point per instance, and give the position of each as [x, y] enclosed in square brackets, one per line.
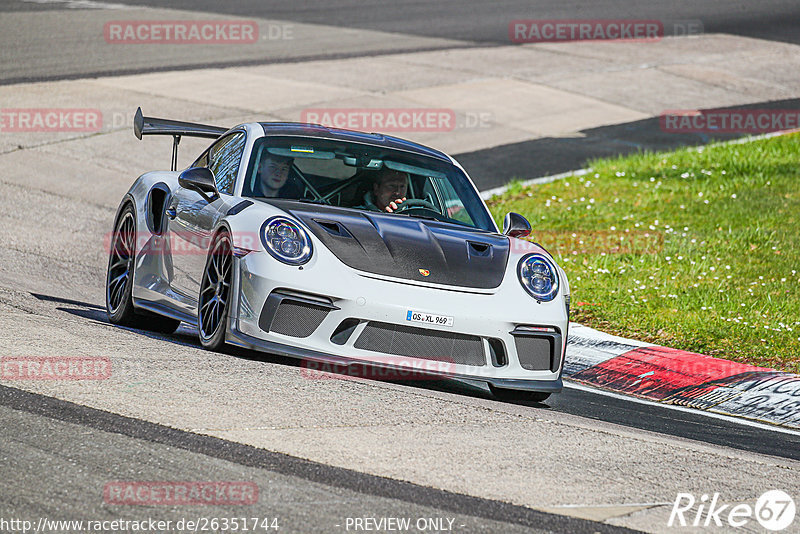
[339, 247]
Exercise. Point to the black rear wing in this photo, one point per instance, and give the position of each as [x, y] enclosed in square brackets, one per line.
[152, 126]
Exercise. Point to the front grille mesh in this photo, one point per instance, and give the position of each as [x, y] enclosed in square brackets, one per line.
[422, 343]
[534, 353]
[297, 319]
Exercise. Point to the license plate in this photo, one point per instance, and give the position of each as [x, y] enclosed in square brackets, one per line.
[428, 318]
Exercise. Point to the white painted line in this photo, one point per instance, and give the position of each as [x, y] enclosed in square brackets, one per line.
[747, 139]
[81, 4]
[577, 330]
[489, 193]
[622, 505]
[729, 418]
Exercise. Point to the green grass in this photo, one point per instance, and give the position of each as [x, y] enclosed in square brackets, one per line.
[694, 249]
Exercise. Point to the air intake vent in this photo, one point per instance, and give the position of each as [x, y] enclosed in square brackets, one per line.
[297, 319]
[538, 351]
[479, 249]
[333, 228]
[293, 314]
[497, 351]
[534, 353]
[422, 343]
[344, 331]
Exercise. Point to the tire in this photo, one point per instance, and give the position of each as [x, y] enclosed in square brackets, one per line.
[119, 280]
[119, 275]
[214, 301]
[518, 395]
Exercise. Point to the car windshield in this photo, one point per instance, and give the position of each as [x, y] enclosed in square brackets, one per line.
[363, 177]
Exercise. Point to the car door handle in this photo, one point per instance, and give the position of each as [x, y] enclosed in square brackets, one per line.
[171, 213]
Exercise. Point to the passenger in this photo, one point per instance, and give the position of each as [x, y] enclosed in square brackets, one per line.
[273, 175]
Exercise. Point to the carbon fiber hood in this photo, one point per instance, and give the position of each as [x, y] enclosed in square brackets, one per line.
[405, 247]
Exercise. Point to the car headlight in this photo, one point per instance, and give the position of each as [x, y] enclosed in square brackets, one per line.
[286, 241]
[539, 277]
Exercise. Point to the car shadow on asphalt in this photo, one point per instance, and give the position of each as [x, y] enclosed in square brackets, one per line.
[186, 336]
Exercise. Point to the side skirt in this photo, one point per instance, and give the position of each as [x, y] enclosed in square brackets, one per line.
[167, 311]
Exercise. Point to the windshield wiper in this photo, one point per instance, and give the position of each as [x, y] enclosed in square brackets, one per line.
[417, 216]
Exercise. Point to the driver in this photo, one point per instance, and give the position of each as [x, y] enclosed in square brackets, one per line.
[273, 175]
[388, 191]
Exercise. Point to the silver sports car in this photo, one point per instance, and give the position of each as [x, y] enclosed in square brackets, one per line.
[339, 248]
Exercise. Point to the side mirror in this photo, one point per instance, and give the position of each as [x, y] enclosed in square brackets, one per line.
[515, 225]
[200, 179]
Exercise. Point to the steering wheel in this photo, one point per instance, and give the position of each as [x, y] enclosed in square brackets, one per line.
[415, 203]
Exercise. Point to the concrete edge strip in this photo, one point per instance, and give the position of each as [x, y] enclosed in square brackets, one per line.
[489, 193]
[285, 464]
[227, 64]
[683, 378]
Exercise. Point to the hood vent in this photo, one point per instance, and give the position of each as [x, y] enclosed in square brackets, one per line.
[483, 250]
[333, 228]
[407, 248]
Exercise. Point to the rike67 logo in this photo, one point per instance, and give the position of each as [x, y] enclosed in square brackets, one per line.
[774, 510]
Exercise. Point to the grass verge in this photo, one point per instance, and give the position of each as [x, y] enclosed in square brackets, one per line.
[697, 249]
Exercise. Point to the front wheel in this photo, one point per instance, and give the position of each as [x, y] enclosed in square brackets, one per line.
[518, 395]
[215, 293]
[119, 278]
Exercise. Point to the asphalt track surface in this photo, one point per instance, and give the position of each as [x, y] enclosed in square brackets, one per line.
[575, 399]
[436, 25]
[61, 454]
[487, 21]
[304, 496]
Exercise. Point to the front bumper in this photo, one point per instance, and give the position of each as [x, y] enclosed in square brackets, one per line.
[249, 342]
[484, 323]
